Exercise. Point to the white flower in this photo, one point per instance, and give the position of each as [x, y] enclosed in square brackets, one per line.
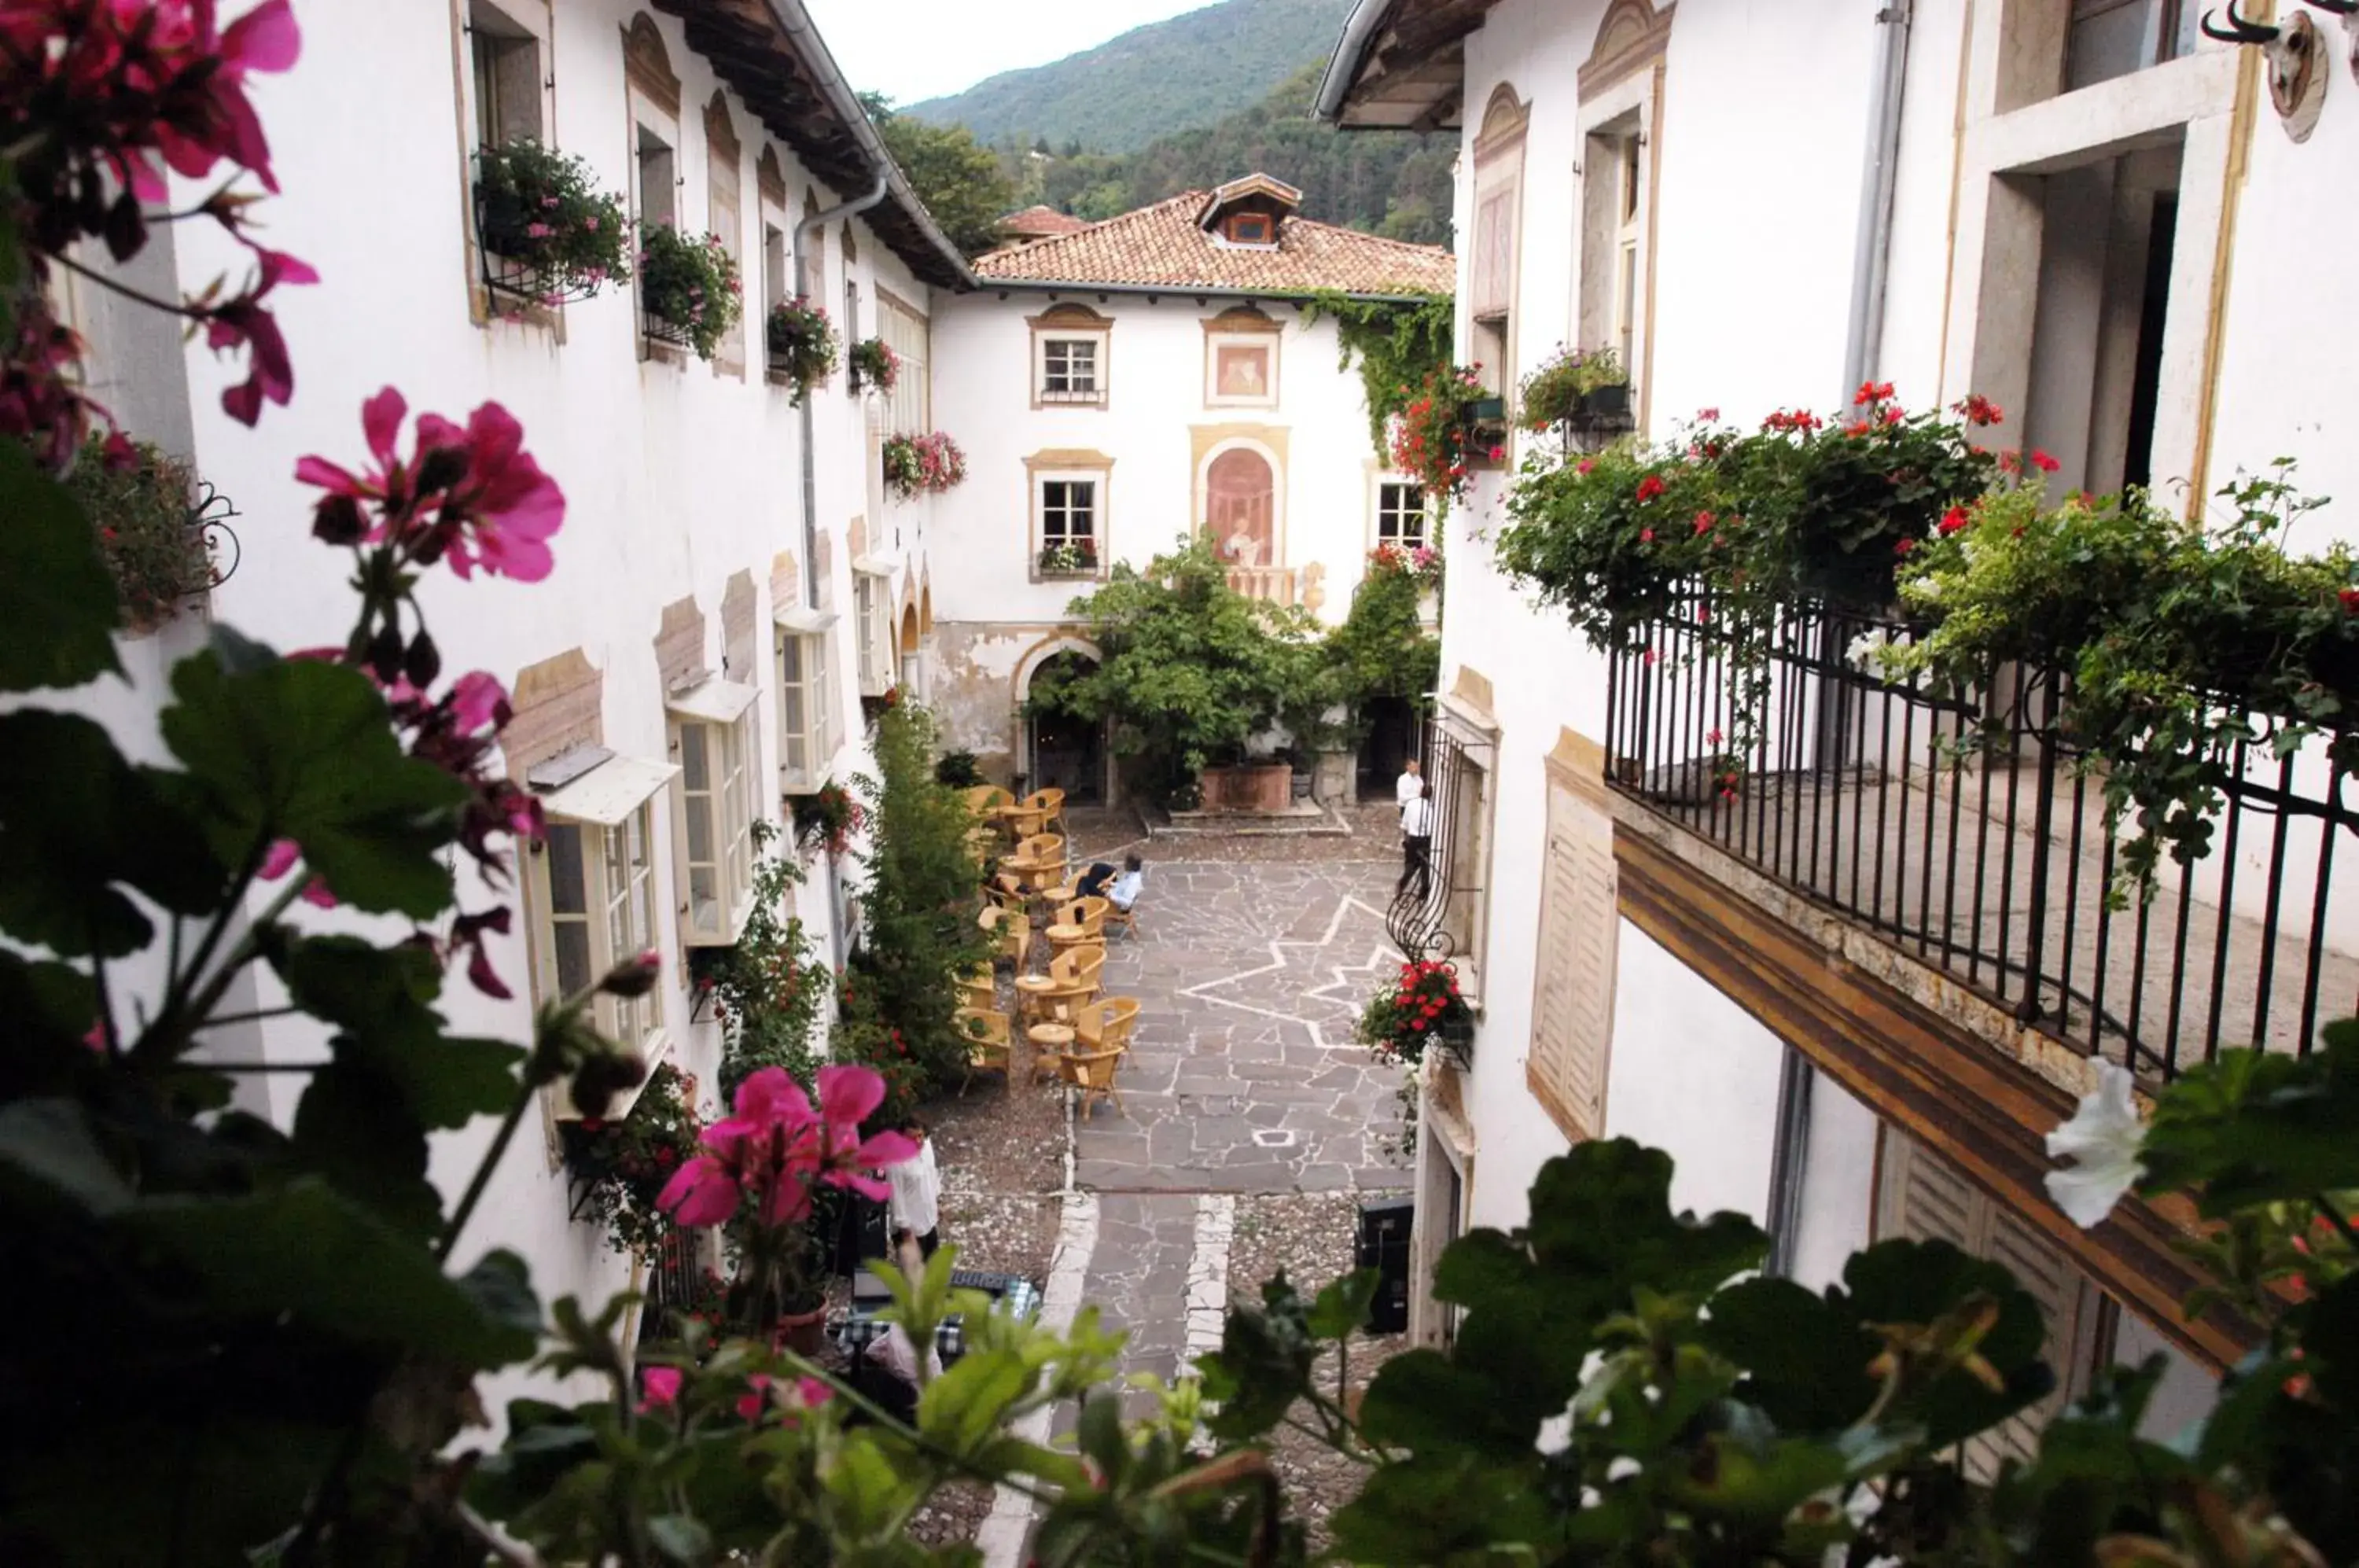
[1556, 1435]
[2103, 1138]
[1925, 590]
[1868, 650]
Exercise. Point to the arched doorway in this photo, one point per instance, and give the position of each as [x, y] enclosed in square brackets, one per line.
[913, 669]
[1241, 507]
[1391, 741]
[1067, 753]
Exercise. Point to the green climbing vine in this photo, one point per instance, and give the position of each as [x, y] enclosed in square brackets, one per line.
[1398, 343]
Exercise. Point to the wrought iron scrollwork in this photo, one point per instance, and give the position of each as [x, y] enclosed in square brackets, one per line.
[1417, 920]
[209, 519]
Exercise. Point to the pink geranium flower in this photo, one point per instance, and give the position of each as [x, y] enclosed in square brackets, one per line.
[659, 1388]
[777, 1146]
[280, 859]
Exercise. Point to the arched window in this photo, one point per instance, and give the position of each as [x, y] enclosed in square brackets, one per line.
[1240, 504]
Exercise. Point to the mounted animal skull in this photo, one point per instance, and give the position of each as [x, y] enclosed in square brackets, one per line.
[2297, 71]
[2349, 11]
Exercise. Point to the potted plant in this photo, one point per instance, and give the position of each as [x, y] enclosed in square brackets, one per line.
[689, 292]
[1420, 1007]
[1573, 385]
[1070, 558]
[874, 367]
[802, 345]
[547, 234]
[916, 465]
[620, 1167]
[1441, 428]
[826, 820]
[142, 506]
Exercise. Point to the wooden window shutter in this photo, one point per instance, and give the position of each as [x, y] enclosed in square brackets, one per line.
[1495, 236]
[1928, 1198]
[1572, 1001]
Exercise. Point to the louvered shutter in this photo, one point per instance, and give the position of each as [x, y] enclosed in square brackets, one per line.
[1928, 1198]
[1572, 1000]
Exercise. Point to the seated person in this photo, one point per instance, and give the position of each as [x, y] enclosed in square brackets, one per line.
[898, 1358]
[1125, 892]
[1093, 881]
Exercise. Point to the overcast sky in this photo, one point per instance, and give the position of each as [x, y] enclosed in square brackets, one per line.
[912, 49]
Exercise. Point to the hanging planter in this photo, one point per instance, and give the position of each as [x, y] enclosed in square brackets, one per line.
[917, 465]
[874, 367]
[689, 292]
[1420, 1007]
[802, 345]
[1439, 427]
[547, 235]
[156, 535]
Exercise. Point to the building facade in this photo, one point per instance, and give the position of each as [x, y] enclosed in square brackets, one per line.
[2069, 206]
[731, 581]
[1123, 386]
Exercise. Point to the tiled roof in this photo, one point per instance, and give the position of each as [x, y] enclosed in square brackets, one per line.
[1162, 245]
[1037, 221]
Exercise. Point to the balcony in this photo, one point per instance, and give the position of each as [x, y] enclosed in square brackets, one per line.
[1993, 865]
[1270, 584]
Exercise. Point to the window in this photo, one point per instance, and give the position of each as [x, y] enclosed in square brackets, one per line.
[1498, 222]
[507, 78]
[1927, 1197]
[776, 285]
[1069, 516]
[712, 744]
[1251, 228]
[658, 181]
[1068, 512]
[1070, 346]
[1613, 237]
[1068, 370]
[911, 410]
[1580, 931]
[806, 710]
[2108, 38]
[594, 892]
[1400, 513]
[873, 615]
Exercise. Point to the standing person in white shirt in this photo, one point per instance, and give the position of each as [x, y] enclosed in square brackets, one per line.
[1417, 843]
[1408, 788]
[915, 1203]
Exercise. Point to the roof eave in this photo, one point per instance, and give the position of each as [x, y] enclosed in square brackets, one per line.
[984, 281]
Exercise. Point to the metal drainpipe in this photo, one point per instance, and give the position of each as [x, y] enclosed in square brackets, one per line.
[805, 235]
[1872, 254]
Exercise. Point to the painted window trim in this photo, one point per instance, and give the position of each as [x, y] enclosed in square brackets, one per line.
[733, 838]
[815, 682]
[1377, 482]
[534, 16]
[1045, 468]
[1218, 338]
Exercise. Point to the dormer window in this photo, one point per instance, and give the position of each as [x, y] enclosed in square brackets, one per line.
[1248, 211]
[1250, 228]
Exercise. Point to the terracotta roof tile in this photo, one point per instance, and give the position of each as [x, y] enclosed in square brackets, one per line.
[1035, 222]
[1162, 244]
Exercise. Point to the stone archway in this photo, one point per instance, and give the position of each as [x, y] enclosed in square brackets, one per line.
[1058, 753]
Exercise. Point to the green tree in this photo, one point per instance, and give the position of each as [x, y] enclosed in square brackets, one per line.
[1192, 669]
[919, 898]
[1382, 650]
[962, 183]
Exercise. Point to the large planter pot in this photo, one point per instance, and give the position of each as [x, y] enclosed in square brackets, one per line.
[805, 1334]
[1606, 405]
[1248, 787]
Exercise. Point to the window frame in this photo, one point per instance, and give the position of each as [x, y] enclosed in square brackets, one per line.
[532, 22]
[1379, 509]
[604, 808]
[724, 217]
[1218, 338]
[722, 713]
[1579, 920]
[810, 684]
[651, 110]
[1068, 324]
[1068, 467]
[908, 332]
[872, 610]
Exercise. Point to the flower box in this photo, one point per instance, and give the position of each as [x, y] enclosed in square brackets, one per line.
[689, 292]
[916, 465]
[1607, 404]
[546, 233]
[1076, 559]
[874, 367]
[801, 345]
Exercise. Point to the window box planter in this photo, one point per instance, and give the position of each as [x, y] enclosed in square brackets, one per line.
[1480, 411]
[801, 344]
[874, 367]
[545, 233]
[689, 293]
[917, 465]
[1608, 405]
[1079, 559]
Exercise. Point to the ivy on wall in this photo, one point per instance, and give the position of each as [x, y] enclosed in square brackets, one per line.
[1398, 342]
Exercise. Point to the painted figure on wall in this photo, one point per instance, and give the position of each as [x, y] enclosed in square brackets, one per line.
[1240, 505]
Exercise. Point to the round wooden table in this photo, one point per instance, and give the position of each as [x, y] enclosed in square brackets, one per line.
[1063, 937]
[1049, 1043]
[1031, 989]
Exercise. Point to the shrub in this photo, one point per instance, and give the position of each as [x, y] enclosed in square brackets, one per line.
[622, 1165]
[687, 288]
[768, 990]
[801, 343]
[542, 213]
[142, 510]
[957, 769]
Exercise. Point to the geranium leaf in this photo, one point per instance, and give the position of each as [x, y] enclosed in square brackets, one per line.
[57, 598]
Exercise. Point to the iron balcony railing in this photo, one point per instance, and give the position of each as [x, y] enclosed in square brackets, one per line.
[1992, 861]
[1432, 917]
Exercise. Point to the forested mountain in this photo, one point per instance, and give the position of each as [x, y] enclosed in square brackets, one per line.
[1167, 76]
[1387, 182]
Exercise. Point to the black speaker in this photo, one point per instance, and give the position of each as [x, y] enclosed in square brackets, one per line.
[1385, 1225]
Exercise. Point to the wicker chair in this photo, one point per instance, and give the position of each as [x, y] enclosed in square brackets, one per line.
[1012, 931]
[1093, 1072]
[1050, 803]
[987, 1049]
[978, 988]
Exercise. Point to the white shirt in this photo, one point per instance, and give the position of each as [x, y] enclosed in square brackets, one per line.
[1417, 818]
[917, 1190]
[1407, 788]
[899, 1356]
[1125, 892]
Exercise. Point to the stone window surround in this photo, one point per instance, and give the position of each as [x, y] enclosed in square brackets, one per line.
[724, 165]
[1067, 464]
[652, 102]
[1379, 477]
[1069, 322]
[1498, 164]
[535, 19]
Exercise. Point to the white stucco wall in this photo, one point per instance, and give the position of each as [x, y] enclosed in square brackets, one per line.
[676, 478]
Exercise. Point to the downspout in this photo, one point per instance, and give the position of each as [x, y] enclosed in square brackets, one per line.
[806, 235]
[1872, 253]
